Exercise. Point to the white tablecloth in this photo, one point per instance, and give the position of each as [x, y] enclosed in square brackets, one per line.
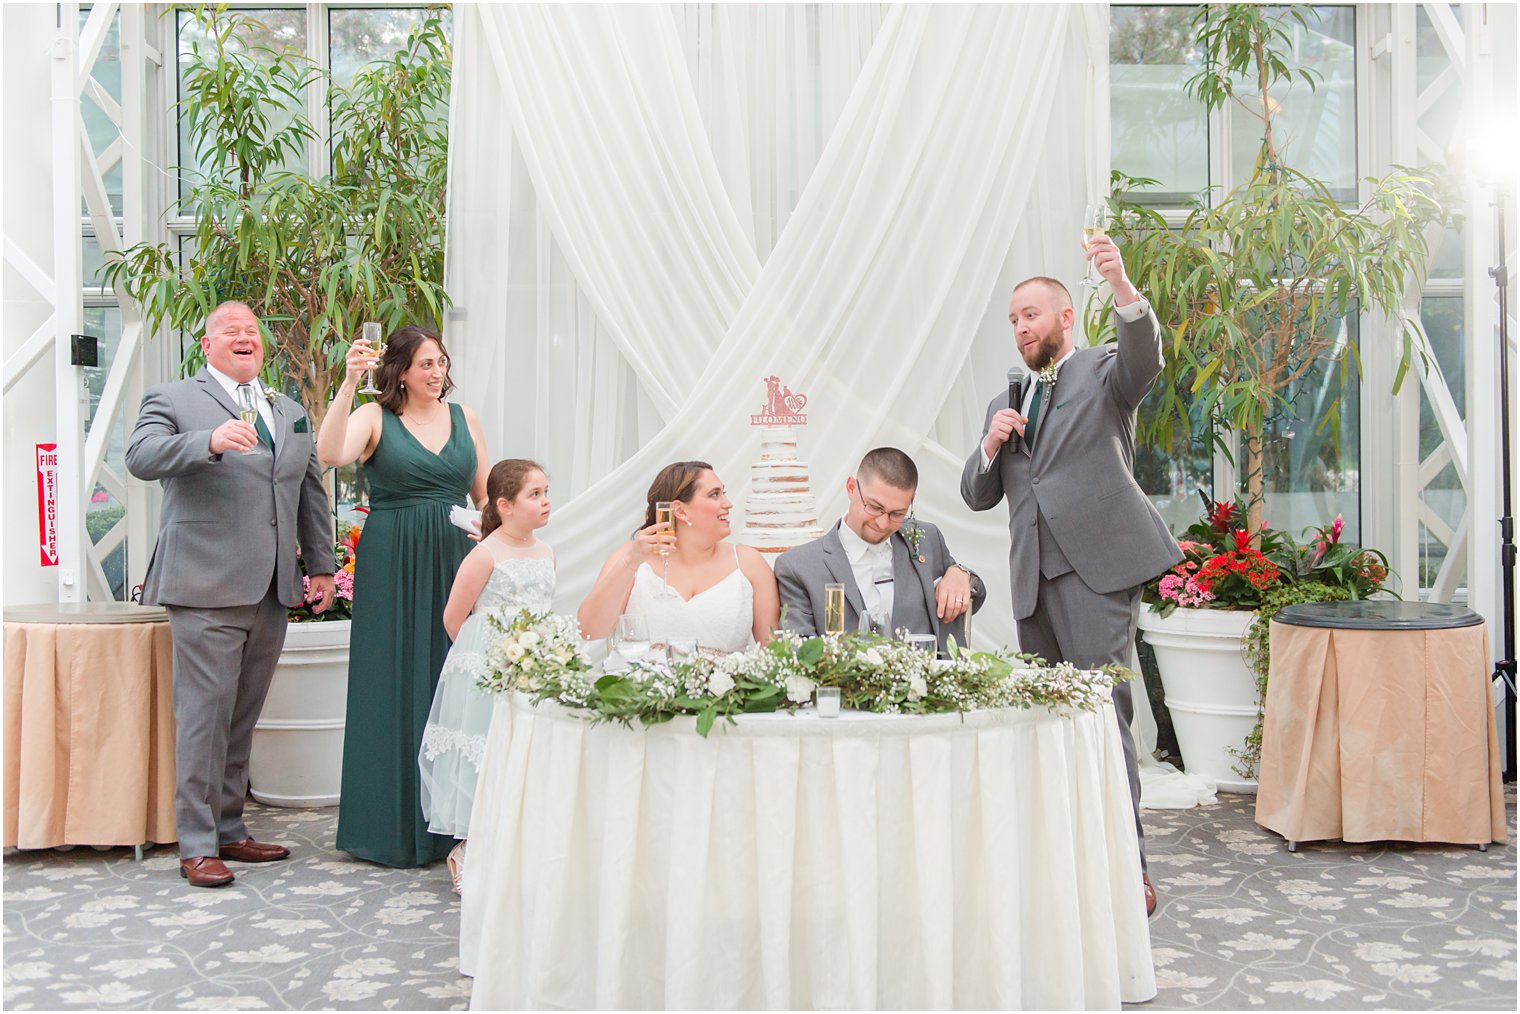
[795, 862]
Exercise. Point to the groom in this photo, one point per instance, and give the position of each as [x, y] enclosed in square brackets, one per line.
[237, 498]
[907, 574]
[1060, 448]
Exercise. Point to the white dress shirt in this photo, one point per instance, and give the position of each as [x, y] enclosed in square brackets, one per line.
[266, 410]
[872, 567]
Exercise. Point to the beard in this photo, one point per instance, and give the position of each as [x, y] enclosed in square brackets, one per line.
[1043, 354]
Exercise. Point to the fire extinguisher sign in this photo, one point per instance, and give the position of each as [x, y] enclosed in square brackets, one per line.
[47, 503]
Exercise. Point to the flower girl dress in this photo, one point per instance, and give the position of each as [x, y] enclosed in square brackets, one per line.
[454, 739]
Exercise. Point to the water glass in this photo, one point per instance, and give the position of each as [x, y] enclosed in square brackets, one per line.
[680, 650]
[876, 621]
[924, 642]
[633, 637]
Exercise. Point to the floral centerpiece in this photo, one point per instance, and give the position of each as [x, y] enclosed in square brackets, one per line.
[345, 549]
[1226, 566]
[540, 655]
[1223, 567]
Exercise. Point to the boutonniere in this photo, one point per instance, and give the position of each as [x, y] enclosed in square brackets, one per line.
[1048, 374]
[912, 534]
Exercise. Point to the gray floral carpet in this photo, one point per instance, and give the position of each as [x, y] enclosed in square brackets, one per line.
[1243, 924]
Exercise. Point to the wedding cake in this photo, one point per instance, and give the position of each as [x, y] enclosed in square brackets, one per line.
[781, 511]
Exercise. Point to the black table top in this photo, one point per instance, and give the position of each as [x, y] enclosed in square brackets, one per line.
[1378, 615]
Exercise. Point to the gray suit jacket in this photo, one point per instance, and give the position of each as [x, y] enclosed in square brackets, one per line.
[801, 574]
[230, 522]
[1074, 504]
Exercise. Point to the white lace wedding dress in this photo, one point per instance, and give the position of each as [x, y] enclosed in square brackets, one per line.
[721, 617]
[454, 739]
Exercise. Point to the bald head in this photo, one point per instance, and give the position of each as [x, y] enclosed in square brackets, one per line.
[221, 310]
[1052, 287]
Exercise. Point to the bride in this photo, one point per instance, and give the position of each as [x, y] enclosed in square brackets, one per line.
[689, 584]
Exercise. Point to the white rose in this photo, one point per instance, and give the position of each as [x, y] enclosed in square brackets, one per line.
[917, 688]
[799, 689]
[514, 651]
[871, 657]
[719, 683]
[529, 638]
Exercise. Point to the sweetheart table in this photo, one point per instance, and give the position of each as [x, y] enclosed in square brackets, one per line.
[873, 861]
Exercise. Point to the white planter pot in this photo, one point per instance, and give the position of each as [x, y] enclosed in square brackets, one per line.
[1210, 691]
[297, 757]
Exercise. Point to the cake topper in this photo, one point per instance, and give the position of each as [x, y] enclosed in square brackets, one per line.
[782, 407]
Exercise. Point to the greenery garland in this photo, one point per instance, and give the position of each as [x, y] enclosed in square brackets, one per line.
[540, 654]
[1256, 647]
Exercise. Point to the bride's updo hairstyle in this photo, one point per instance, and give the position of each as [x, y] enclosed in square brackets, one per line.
[504, 483]
[677, 481]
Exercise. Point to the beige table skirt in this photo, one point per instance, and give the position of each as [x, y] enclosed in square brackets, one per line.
[1379, 735]
[89, 734]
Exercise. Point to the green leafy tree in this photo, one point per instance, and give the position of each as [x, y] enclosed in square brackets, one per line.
[313, 256]
[1253, 288]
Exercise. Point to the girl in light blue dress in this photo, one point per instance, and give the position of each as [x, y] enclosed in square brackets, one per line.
[510, 570]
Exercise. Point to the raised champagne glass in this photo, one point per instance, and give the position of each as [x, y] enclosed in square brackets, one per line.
[371, 334]
[833, 608]
[248, 409]
[664, 524]
[1094, 227]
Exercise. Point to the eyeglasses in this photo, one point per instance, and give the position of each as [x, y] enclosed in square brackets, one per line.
[876, 510]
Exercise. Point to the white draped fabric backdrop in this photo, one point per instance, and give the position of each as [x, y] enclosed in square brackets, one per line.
[651, 208]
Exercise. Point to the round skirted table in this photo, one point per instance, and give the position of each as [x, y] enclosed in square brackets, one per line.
[89, 725]
[789, 861]
[1379, 726]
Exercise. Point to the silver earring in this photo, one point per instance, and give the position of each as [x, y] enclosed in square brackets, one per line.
[688, 522]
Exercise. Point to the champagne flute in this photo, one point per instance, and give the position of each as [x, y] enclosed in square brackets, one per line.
[833, 608]
[1094, 226]
[664, 524]
[633, 637]
[371, 334]
[248, 409]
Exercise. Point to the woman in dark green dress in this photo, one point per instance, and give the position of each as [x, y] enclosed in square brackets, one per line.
[421, 455]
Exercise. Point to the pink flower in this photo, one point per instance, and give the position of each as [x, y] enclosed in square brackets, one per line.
[1336, 527]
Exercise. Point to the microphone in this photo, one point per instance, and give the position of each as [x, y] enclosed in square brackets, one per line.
[1013, 387]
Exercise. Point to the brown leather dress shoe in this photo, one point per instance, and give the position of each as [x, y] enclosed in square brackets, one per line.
[250, 851]
[1150, 894]
[205, 871]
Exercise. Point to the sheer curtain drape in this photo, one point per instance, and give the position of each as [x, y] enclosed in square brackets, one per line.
[652, 208]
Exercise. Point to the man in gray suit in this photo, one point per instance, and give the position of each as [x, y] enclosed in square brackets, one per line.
[907, 575]
[237, 499]
[1060, 448]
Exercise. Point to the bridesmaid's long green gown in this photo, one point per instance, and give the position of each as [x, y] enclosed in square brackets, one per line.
[404, 567]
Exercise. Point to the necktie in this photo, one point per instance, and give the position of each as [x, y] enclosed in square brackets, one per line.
[265, 437]
[1034, 415]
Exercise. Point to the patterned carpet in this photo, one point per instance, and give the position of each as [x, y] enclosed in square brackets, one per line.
[1243, 923]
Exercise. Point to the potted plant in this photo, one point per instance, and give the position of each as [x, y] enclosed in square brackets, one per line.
[297, 756]
[1208, 618]
[1252, 291]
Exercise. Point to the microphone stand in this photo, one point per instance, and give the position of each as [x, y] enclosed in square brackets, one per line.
[1504, 668]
